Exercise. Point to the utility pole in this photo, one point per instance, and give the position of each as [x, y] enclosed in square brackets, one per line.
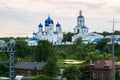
[113, 57]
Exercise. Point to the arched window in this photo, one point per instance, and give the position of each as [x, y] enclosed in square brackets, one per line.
[78, 30]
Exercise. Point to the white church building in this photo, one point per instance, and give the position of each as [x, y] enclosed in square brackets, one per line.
[47, 32]
[81, 30]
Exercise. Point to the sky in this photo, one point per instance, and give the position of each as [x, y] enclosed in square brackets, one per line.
[20, 18]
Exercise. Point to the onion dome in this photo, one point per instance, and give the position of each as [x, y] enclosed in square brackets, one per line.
[46, 24]
[58, 25]
[80, 15]
[40, 25]
[49, 21]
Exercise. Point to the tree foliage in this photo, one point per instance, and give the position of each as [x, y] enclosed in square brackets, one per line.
[101, 45]
[4, 69]
[41, 77]
[71, 73]
[43, 51]
[51, 68]
[67, 37]
[22, 49]
[82, 50]
[84, 72]
[94, 56]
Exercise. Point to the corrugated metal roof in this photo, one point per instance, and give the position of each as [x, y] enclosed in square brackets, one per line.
[30, 65]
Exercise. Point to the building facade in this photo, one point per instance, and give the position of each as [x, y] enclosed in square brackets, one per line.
[102, 70]
[47, 32]
[81, 30]
[29, 68]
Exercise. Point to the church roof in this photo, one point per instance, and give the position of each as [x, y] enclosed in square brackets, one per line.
[80, 16]
[58, 25]
[40, 25]
[34, 38]
[49, 20]
[85, 27]
[118, 39]
[96, 39]
[46, 24]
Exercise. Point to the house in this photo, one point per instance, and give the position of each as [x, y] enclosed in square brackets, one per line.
[29, 68]
[102, 70]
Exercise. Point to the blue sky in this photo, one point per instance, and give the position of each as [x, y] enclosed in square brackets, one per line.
[20, 18]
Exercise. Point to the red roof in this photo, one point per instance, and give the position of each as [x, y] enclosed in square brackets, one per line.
[103, 63]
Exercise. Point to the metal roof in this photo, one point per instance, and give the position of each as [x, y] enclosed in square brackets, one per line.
[30, 65]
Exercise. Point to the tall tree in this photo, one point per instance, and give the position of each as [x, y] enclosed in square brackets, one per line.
[51, 68]
[43, 50]
[72, 73]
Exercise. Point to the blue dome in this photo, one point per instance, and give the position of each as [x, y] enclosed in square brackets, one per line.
[46, 24]
[49, 21]
[80, 16]
[40, 25]
[84, 27]
[58, 25]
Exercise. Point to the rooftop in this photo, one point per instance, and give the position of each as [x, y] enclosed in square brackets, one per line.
[30, 65]
[103, 63]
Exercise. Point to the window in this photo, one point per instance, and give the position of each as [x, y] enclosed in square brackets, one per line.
[78, 30]
[94, 76]
[103, 76]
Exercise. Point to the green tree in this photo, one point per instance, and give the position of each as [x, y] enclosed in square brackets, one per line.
[41, 77]
[82, 50]
[7, 39]
[94, 56]
[102, 44]
[67, 37]
[51, 68]
[84, 72]
[3, 57]
[22, 49]
[78, 41]
[117, 32]
[43, 51]
[4, 69]
[105, 33]
[72, 73]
